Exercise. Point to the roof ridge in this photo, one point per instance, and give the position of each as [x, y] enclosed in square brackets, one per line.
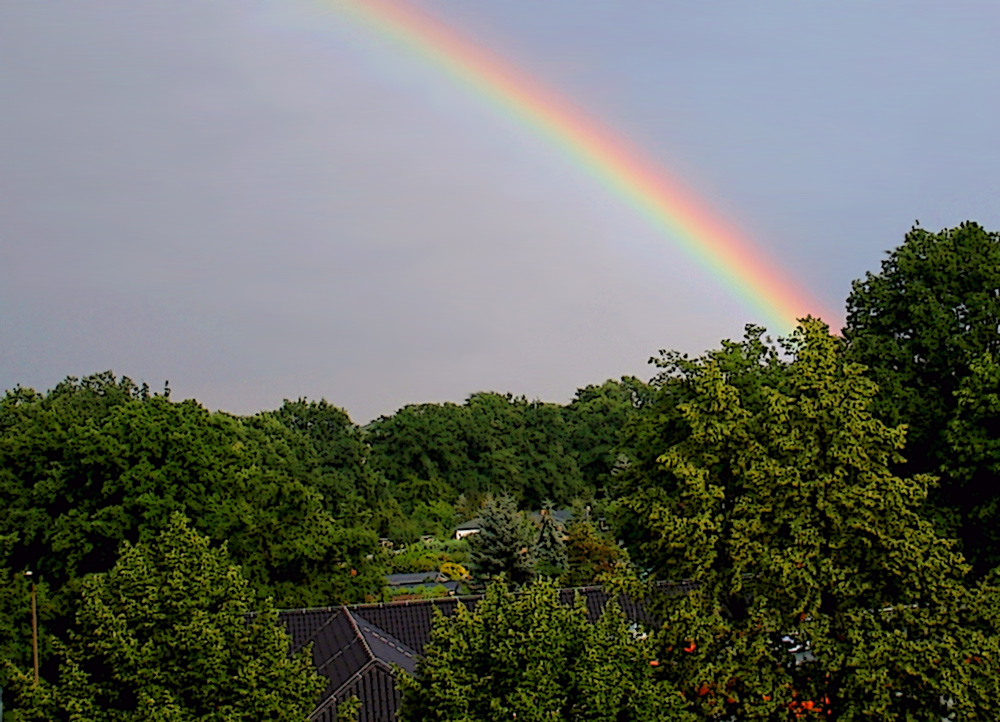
[354, 626]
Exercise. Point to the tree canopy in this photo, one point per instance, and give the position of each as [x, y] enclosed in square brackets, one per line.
[793, 531]
[528, 657]
[927, 326]
[494, 443]
[98, 461]
[173, 632]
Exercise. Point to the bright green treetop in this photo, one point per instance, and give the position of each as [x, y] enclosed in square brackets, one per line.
[165, 636]
[787, 518]
[529, 658]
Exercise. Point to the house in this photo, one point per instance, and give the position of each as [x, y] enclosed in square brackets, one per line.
[467, 528]
[355, 647]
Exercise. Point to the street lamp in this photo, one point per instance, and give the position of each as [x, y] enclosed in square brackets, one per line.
[34, 624]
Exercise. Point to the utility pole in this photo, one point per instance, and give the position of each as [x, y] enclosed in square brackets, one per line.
[34, 624]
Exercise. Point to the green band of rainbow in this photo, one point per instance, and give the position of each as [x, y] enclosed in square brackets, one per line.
[725, 254]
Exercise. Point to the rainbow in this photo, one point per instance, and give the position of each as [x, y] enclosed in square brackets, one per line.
[727, 255]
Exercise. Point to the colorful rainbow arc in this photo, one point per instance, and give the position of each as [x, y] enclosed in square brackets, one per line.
[722, 251]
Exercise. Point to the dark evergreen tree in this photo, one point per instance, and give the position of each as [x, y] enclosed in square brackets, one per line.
[551, 544]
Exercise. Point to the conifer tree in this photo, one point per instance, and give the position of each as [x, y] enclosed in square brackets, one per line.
[505, 544]
[818, 590]
[551, 546]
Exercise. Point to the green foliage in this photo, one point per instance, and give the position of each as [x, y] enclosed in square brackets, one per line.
[749, 364]
[530, 658]
[924, 326]
[788, 519]
[973, 437]
[596, 418]
[165, 635]
[591, 555]
[429, 556]
[505, 544]
[551, 545]
[493, 443]
[99, 461]
[332, 448]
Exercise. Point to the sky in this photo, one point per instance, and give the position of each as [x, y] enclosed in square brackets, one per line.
[268, 199]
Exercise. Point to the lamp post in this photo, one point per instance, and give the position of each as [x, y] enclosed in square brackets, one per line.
[34, 624]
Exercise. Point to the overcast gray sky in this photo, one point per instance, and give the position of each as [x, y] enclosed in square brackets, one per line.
[259, 199]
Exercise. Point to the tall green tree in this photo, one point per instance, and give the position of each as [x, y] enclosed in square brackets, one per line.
[505, 543]
[921, 325]
[332, 447]
[817, 590]
[174, 632]
[551, 544]
[530, 658]
[596, 418]
[751, 364]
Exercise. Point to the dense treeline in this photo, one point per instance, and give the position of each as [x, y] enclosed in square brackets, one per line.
[832, 471]
[299, 495]
[504, 445]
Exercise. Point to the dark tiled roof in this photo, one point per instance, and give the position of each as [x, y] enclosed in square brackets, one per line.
[411, 621]
[302, 624]
[356, 647]
[385, 647]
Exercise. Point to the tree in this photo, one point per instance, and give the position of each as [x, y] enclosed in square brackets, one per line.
[973, 438]
[750, 364]
[551, 544]
[494, 443]
[173, 632]
[98, 461]
[505, 543]
[795, 536]
[596, 418]
[920, 325]
[590, 555]
[332, 446]
[530, 658]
